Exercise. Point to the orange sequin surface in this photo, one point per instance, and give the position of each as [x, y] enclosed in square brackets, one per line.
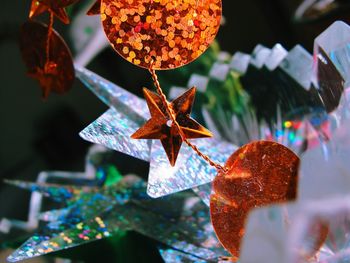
[259, 173]
[171, 32]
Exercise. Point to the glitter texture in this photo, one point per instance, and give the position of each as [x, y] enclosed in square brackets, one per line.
[190, 170]
[260, 173]
[204, 192]
[182, 221]
[172, 33]
[128, 112]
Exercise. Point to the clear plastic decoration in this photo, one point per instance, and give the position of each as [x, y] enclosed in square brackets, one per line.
[309, 231]
[331, 63]
[320, 217]
[126, 114]
[325, 169]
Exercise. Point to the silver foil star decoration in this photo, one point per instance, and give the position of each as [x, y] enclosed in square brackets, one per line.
[127, 114]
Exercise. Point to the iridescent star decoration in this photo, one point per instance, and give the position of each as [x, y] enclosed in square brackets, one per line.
[126, 114]
[161, 127]
[56, 7]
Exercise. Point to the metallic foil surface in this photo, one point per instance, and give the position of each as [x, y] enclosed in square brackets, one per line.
[56, 75]
[190, 170]
[181, 221]
[128, 112]
[204, 192]
[259, 174]
[57, 192]
[171, 34]
[174, 256]
[161, 127]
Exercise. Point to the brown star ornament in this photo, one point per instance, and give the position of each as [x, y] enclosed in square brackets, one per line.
[162, 128]
[56, 7]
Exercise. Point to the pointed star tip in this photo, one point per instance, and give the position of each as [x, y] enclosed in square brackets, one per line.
[145, 90]
[133, 136]
[172, 162]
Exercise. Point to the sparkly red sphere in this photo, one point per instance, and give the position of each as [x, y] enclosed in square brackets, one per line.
[163, 33]
[259, 174]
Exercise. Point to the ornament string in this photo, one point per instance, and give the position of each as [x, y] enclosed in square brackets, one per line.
[49, 33]
[172, 115]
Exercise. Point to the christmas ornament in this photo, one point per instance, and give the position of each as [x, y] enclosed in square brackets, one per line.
[259, 173]
[126, 114]
[93, 213]
[54, 68]
[161, 34]
[160, 126]
[56, 8]
[44, 52]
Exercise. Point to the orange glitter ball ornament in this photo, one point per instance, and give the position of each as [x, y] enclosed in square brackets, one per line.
[169, 33]
[259, 173]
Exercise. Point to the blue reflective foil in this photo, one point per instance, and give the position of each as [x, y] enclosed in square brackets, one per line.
[180, 221]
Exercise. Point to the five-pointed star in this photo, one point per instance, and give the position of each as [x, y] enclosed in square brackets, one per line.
[40, 6]
[161, 127]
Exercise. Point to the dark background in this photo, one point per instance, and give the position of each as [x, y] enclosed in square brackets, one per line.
[37, 135]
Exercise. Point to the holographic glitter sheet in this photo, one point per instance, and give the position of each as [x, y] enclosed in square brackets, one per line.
[180, 221]
[190, 170]
[128, 112]
[204, 192]
[56, 192]
[114, 96]
[169, 33]
[174, 256]
[113, 130]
